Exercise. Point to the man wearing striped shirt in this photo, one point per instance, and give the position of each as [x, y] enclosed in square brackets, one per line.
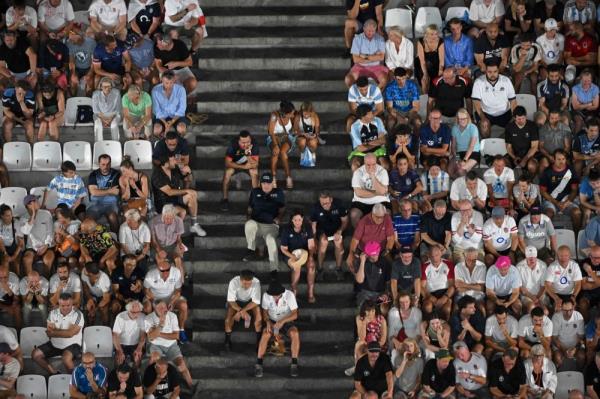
[407, 226]
[69, 186]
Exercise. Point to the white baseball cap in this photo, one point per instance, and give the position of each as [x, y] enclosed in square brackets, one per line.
[550, 24]
[530, 252]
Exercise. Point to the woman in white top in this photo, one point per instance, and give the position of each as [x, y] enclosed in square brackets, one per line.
[281, 139]
[541, 375]
[11, 239]
[307, 127]
[399, 51]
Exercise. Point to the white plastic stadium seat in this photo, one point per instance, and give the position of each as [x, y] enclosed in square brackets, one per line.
[568, 381]
[402, 18]
[528, 101]
[110, 147]
[491, 147]
[47, 156]
[581, 245]
[423, 100]
[78, 152]
[82, 17]
[32, 386]
[51, 197]
[58, 386]
[13, 197]
[427, 16]
[456, 12]
[567, 237]
[140, 152]
[71, 110]
[31, 338]
[98, 340]
[16, 155]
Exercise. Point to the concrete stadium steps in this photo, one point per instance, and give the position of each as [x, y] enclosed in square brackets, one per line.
[258, 4]
[319, 20]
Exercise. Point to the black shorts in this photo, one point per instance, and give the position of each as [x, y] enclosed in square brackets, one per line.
[128, 350]
[366, 208]
[499, 120]
[593, 296]
[504, 297]
[81, 72]
[474, 155]
[427, 160]
[439, 293]
[286, 327]
[182, 119]
[50, 351]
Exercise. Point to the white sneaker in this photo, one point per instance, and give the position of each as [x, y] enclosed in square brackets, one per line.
[198, 230]
[349, 372]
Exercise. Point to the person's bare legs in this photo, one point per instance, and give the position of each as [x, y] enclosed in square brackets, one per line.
[42, 130]
[183, 369]
[29, 131]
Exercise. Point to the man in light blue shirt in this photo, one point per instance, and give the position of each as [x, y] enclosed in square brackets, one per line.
[168, 106]
[368, 54]
[458, 49]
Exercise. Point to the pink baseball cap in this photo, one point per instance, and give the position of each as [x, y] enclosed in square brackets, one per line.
[372, 248]
[503, 262]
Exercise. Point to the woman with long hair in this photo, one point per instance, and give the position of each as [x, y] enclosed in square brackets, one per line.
[409, 367]
[134, 186]
[430, 57]
[51, 103]
[281, 139]
[307, 127]
[370, 327]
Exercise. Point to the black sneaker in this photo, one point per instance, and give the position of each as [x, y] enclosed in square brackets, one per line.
[224, 205]
[251, 256]
[294, 370]
[258, 371]
[228, 345]
[347, 53]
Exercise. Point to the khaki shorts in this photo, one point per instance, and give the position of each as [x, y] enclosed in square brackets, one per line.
[170, 352]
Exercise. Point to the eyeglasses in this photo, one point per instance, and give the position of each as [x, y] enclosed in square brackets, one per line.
[165, 270]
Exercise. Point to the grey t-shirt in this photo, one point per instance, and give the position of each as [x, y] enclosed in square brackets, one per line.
[406, 274]
[477, 365]
[532, 192]
[82, 53]
[554, 138]
[408, 379]
[537, 235]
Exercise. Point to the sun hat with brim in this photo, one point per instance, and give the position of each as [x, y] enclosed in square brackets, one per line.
[443, 354]
[302, 255]
[275, 288]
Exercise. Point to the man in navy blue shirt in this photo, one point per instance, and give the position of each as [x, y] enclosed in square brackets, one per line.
[435, 140]
[19, 108]
[405, 183]
[112, 60]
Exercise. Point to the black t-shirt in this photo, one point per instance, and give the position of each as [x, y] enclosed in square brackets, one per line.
[489, 50]
[166, 386]
[551, 179]
[436, 229]
[592, 377]
[239, 156]
[437, 381]
[145, 15]
[450, 98]
[16, 58]
[514, 21]
[366, 9]
[585, 275]
[179, 52]
[161, 149]
[507, 383]
[477, 321]
[583, 145]
[521, 138]
[373, 378]
[160, 179]
[132, 382]
[406, 274]
[124, 282]
[295, 240]
[328, 222]
[376, 275]
[265, 206]
[539, 11]
[58, 58]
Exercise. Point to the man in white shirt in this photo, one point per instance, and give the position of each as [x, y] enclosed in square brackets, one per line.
[437, 283]
[64, 281]
[243, 303]
[65, 330]
[563, 278]
[39, 229]
[23, 18]
[129, 334]
[500, 236]
[502, 286]
[469, 278]
[500, 180]
[552, 44]
[55, 17]
[185, 17]
[370, 184]
[9, 337]
[467, 229]
[164, 282]
[9, 370]
[471, 372]
[501, 332]
[568, 335]
[533, 280]
[484, 12]
[535, 328]
[280, 310]
[163, 331]
[469, 187]
[96, 291]
[9, 293]
[135, 238]
[109, 17]
[33, 289]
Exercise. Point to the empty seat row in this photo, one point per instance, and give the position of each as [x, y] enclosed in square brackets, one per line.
[96, 339]
[403, 18]
[34, 386]
[48, 155]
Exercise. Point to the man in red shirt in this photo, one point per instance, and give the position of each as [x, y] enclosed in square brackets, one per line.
[580, 48]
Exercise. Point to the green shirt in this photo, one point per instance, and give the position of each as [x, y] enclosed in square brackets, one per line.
[137, 110]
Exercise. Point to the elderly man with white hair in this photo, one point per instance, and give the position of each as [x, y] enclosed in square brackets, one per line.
[129, 336]
[106, 104]
[370, 183]
[135, 237]
[467, 231]
[166, 230]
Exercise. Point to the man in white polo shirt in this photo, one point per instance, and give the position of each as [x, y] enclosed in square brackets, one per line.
[64, 328]
[494, 98]
[500, 236]
[502, 285]
[501, 332]
[469, 278]
[471, 372]
[535, 328]
[243, 303]
[96, 290]
[164, 283]
[9, 336]
[185, 17]
[533, 280]
[563, 278]
[64, 281]
[129, 335]
[110, 17]
[568, 335]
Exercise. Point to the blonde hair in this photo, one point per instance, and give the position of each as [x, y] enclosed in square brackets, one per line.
[415, 344]
[396, 31]
[431, 29]
[464, 112]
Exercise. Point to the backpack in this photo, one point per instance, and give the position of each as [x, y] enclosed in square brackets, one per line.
[85, 114]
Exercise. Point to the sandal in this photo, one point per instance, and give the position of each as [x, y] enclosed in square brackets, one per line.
[289, 183]
[196, 118]
[312, 299]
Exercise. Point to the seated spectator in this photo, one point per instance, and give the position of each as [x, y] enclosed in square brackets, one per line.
[590, 294]
[591, 376]
[134, 238]
[436, 229]
[537, 230]
[399, 50]
[12, 242]
[533, 284]
[589, 191]
[10, 294]
[89, 377]
[500, 236]
[17, 61]
[437, 281]
[500, 180]
[525, 58]
[81, 53]
[545, 10]
[55, 19]
[368, 136]
[501, 331]
[39, 229]
[52, 63]
[469, 278]
[371, 326]
[64, 281]
[127, 284]
[493, 109]
[406, 274]
[585, 100]
[439, 376]
[373, 275]
[430, 57]
[448, 93]
[144, 17]
[280, 311]
[458, 49]
[51, 103]
[161, 379]
[507, 376]
[66, 231]
[553, 92]
[484, 12]
[108, 17]
[137, 113]
[97, 245]
[582, 12]
[467, 324]
[374, 373]
[368, 54]
[467, 231]
[553, 135]
[357, 13]
[402, 100]
[568, 339]
[163, 331]
[370, 184]
[552, 45]
[33, 290]
[581, 50]
[518, 21]
[64, 328]
[436, 186]
[297, 245]
[174, 145]
[490, 44]
[168, 106]
[404, 322]
[10, 369]
[103, 186]
[96, 292]
[525, 195]
[174, 55]
[129, 335]
[471, 371]
[534, 328]
[435, 138]
[168, 188]
[23, 20]
[522, 139]
[243, 302]
[465, 143]
[111, 60]
[363, 92]
[141, 53]
[586, 147]
[19, 108]
[470, 188]
[135, 187]
[106, 104]
[167, 229]
[281, 139]
[407, 226]
[185, 19]
[124, 381]
[435, 334]
[502, 286]
[409, 366]
[307, 126]
[563, 278]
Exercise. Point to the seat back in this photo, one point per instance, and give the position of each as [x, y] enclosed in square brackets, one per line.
[402, 18]
[58, 386]
[567, 382]
[71, 110]
[110, 147]
[427, 16]
[16, 155]
[567, 237]
[491, 147]
[98, 340]
[140, 152]
[32, 386]
[529, 102]
[31, 338]
[51, 196]
[47, 156]
[13, 197]
[82, 17]
[456, 12]
[581, 245]
[78, 152]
